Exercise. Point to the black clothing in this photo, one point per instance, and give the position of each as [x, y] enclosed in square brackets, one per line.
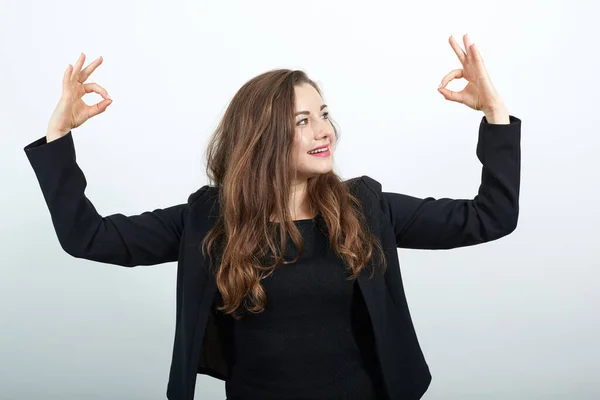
[175, 234]
[308, 340]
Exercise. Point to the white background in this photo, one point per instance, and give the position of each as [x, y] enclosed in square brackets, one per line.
[517, 318]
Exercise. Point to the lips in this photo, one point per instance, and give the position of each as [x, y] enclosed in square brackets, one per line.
[324, 152]
[320, 147]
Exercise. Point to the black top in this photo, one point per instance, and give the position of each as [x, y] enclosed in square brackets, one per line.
[397, 220]
[314, 339]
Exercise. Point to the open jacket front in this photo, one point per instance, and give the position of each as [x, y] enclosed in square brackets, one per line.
[176, 233]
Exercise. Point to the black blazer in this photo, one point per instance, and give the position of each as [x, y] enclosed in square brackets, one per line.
[175, 234]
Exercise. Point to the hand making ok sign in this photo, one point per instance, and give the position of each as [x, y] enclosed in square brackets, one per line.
[480, 93]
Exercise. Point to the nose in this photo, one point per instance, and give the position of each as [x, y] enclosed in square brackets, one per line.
[324, 130]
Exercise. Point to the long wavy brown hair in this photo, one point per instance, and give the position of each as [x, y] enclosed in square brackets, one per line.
[249, 160]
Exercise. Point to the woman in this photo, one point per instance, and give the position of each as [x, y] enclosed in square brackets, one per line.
[288, 282]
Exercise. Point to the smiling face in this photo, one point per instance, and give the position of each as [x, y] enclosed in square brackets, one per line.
[312, 129]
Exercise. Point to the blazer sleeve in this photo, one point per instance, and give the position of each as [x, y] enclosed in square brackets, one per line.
[149, 238]
[430, 223]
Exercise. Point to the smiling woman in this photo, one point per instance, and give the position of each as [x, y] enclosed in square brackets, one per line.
[274, 178]
[313, 135]
[277, 223]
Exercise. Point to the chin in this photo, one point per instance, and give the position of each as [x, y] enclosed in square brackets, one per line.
[313, 173]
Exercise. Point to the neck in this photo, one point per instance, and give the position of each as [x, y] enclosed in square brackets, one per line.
[299, 204]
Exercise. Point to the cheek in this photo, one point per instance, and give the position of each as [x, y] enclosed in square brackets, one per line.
[301, 142]
[297, 149]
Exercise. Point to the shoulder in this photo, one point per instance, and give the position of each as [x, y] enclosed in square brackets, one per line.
[364, 186]
[206, 194]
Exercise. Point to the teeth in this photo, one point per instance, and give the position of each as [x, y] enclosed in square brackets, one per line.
[319, 150]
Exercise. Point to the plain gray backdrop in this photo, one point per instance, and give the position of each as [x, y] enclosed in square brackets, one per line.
[517, 318]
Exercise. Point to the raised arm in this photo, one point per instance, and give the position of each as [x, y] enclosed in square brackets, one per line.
[152, 237]
[429, 223]
[149, 238]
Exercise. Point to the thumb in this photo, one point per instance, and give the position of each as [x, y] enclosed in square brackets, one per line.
[450, 95]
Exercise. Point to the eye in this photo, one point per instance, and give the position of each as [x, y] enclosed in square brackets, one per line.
[325, 114]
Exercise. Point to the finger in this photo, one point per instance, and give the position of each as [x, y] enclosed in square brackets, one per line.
[457, 49]
[476, 54]
[85, 74]
[77, 68]
[98, 108]
[450, 95]
[67, 78]
[95, 88]
[454, 74]
[468, 43]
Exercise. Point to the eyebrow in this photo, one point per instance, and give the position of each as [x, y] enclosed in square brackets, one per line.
[308, 112]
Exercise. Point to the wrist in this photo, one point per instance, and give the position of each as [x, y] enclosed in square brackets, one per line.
[497, 115]
[53, 134]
